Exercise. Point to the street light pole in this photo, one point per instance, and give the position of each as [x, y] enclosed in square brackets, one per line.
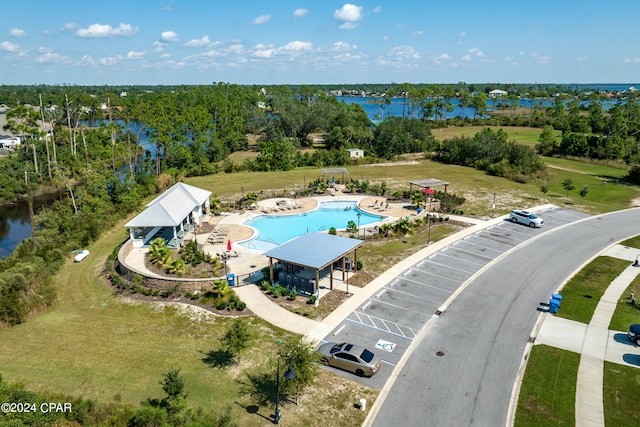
[358, 231]
[493, 207]
[289, 375]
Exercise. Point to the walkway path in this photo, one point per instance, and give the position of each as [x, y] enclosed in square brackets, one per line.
[594, 341]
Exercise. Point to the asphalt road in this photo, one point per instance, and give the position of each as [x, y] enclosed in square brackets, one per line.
[464, 363]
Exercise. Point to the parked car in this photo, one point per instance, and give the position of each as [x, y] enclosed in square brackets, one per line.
[350, 357]
[526, 218]
[634, 333]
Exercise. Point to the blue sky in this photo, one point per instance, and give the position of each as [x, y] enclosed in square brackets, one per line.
[318, 42]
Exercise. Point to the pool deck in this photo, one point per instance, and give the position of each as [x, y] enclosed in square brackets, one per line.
[247, 261]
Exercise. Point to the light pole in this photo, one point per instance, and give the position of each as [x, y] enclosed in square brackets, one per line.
[493, 207]
[358, 230]
[429, 221]
[289, 375]
[241, 197]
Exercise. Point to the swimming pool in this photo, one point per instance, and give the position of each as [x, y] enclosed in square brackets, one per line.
[276, 229]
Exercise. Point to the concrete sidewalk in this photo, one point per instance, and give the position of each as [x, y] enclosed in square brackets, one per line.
[595, 342]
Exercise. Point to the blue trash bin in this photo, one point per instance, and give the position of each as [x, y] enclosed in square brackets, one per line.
[558, 297]
[554, 304]
[231, 278]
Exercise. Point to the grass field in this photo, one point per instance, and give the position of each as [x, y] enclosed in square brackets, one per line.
[95, 344]
[547, 394]
[581, 294]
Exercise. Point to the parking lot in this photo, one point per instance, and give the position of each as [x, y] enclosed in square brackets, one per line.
[389, 320]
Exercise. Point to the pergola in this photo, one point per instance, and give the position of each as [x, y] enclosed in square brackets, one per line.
[315, 251]
[428, 183]
[333, 172]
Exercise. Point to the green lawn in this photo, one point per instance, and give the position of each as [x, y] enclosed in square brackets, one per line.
[476, 186]
[97, 345]
[621, 391]
[581, 294]
[547, 394]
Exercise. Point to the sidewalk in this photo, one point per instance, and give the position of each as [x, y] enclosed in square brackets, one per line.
[595, 342]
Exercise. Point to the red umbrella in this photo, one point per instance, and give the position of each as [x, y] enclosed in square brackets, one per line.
[228, 244]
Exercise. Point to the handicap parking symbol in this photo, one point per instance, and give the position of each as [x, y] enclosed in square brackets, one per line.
[385, 345]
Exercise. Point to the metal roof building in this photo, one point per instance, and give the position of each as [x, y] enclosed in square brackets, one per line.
[175, 209]
[315, 251]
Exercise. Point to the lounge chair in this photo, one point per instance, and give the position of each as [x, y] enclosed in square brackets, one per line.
[373, 205]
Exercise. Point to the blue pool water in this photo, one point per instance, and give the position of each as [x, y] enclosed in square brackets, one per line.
[277, 229]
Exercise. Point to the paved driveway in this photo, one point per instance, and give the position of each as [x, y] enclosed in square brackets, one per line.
[461, 368]
[390, 320]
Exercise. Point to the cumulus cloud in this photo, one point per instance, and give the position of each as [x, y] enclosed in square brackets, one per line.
[297, 46]
[300, 12]
[135, 54]
[261, 19]
[69, 27]
[18, 32]
[349, 15]
[203, 41]
[110, 60]
[106, 30]
[169, 36]
[377, 9]
[343, 46]
[9, 47]
[263, 51]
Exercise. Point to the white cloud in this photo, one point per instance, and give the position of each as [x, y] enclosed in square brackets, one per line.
[18, 32]
[9, 47]
[418, 33]
[404, 53]
[106, 30]
[110, 60]
[203, 41]
[297, 46]
[300, 12]
[349, 14]
[540, 59]
[169, 36]
[462, 34]
[466, 58]
[87, 60]
[632, 60]
[476, 52]
[261, 19]
[263, 51]
[46, 55]
[158, 46]
[582, 58]
[377, 9]
[343, 46]
[69, 27]
[135, 55]
[443, 57]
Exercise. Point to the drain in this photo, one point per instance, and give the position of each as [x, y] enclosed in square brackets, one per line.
[440, 353]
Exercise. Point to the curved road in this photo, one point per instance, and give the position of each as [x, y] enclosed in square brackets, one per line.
[464, 363]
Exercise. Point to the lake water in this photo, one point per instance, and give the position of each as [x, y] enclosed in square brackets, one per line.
[14, 223]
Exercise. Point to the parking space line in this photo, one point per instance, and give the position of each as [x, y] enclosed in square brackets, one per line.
[441, 265]
[436, 275]
[430, 286]
[402, 334]
[462, 260]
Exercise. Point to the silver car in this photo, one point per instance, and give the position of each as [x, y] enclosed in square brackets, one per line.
[526, 218]
[350, 357]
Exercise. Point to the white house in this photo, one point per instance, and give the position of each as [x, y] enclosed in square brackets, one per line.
[355, 153]
[9, 142]
[170, 215]
[497, 92]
